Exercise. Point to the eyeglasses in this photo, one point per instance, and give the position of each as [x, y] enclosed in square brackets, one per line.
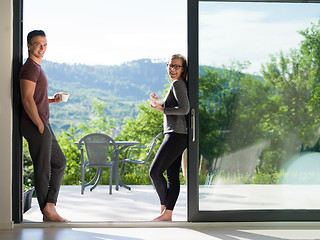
[175, 67]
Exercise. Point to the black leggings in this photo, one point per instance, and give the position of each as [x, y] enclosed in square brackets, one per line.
[168, 158]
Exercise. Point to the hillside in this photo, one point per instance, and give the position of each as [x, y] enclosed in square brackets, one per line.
[121, 87]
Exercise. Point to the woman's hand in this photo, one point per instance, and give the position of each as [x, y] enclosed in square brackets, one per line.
[154, 96]
[156, 106]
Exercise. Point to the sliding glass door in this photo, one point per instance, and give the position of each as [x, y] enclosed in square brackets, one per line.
[254, 151]
[254, 124]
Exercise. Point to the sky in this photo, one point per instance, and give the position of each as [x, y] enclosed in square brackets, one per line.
[110, 32]
[230, 32]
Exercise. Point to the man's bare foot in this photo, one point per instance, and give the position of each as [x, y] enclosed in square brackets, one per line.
[50, 214]
[165, 216]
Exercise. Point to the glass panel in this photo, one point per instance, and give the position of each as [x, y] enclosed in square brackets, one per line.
[105, 54]
[259, 106]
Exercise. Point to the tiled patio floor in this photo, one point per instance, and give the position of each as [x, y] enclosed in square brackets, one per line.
[142, 204]
[139, 204]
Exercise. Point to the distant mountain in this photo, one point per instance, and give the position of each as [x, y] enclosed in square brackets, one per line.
[133, 80]
[121, 87]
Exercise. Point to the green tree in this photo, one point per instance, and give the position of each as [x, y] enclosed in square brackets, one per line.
[143, 129]
[99, 121]
[282, 107]
[294, 79]
[229, 102]
[27, 166]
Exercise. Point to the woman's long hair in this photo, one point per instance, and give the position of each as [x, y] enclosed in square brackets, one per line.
[184, 65]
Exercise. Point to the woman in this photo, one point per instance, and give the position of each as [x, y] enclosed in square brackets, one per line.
[168, 158]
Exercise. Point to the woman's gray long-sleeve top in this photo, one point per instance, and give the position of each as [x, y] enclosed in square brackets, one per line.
[176, 107]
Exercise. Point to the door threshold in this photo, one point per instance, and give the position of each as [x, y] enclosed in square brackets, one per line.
[104, 224]
[173, 224]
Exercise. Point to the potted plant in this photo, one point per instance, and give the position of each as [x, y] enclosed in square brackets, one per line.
[27, 198]
[27, 178]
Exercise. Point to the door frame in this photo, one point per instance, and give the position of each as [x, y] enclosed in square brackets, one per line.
[17, 144]
[193, 212]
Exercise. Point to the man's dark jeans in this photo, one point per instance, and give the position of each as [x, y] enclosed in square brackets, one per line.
[48, 160]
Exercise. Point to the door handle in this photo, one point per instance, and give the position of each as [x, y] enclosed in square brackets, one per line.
[193, 124]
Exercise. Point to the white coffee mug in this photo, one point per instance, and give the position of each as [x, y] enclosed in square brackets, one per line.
[159, 101]
[64, 97]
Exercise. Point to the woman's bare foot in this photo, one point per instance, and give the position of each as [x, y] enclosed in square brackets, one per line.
[165, 216]
[50, 214]
[163, 207]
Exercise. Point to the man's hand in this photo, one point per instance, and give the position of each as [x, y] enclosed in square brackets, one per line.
[41, 128]
[56, 99]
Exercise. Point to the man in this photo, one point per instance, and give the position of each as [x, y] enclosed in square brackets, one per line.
[48, 159]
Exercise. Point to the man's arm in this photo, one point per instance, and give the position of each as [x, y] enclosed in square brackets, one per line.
[27, 89]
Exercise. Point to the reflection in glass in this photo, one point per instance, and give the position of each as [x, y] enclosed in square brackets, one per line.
[259, 106]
